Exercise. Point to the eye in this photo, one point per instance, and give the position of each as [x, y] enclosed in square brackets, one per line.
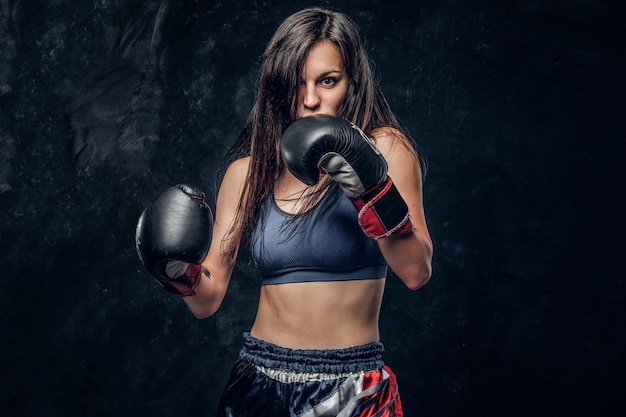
[328, 81]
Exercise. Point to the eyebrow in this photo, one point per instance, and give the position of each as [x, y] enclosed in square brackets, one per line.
[327, 73]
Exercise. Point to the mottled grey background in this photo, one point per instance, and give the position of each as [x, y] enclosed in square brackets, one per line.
[517, 106]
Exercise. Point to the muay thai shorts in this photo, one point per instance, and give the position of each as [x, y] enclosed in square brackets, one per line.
[273, 381]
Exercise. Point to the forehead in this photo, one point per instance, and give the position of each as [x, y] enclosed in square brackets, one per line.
[323, 57]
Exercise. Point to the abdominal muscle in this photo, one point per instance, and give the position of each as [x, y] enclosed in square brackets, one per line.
[319, 315]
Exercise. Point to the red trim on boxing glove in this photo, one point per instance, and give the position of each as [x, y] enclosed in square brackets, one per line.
[184, 285]
[383, 212]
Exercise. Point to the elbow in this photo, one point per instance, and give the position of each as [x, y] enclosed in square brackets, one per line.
[416, 271]
[203, 314]
[206, 301]
[201, 310]
[418, 276]
[417, 280]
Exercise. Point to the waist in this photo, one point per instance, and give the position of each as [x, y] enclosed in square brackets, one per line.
[320, 315]
[352, 359]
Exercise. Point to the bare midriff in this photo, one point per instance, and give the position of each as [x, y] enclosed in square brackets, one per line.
[319, 315]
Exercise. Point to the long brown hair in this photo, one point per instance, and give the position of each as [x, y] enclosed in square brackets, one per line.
[275, 107]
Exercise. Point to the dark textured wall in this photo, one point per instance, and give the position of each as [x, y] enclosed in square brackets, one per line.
[517, 106]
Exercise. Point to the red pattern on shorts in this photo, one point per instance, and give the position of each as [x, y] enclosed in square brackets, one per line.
[384, 402]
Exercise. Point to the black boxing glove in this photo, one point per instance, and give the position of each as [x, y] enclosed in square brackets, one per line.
[173, 237]
[323, 143]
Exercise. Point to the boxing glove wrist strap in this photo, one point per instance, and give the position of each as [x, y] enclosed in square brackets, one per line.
[185, 284]
[383, 212]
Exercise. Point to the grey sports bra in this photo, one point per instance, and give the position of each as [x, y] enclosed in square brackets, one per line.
[327, 244]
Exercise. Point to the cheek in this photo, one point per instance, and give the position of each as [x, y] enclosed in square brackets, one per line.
[337, 99]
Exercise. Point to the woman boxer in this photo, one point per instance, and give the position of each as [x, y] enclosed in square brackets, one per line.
[327, 210]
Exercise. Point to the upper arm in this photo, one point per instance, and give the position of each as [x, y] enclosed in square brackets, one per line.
[228, 200]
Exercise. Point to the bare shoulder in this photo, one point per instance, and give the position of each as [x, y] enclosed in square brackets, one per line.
[233, 183]
[236, 173]
[388, 133]
[393, 144]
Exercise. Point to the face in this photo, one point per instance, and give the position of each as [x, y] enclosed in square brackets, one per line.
[323, 82]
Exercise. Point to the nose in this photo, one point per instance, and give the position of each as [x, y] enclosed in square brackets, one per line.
[310, 99]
